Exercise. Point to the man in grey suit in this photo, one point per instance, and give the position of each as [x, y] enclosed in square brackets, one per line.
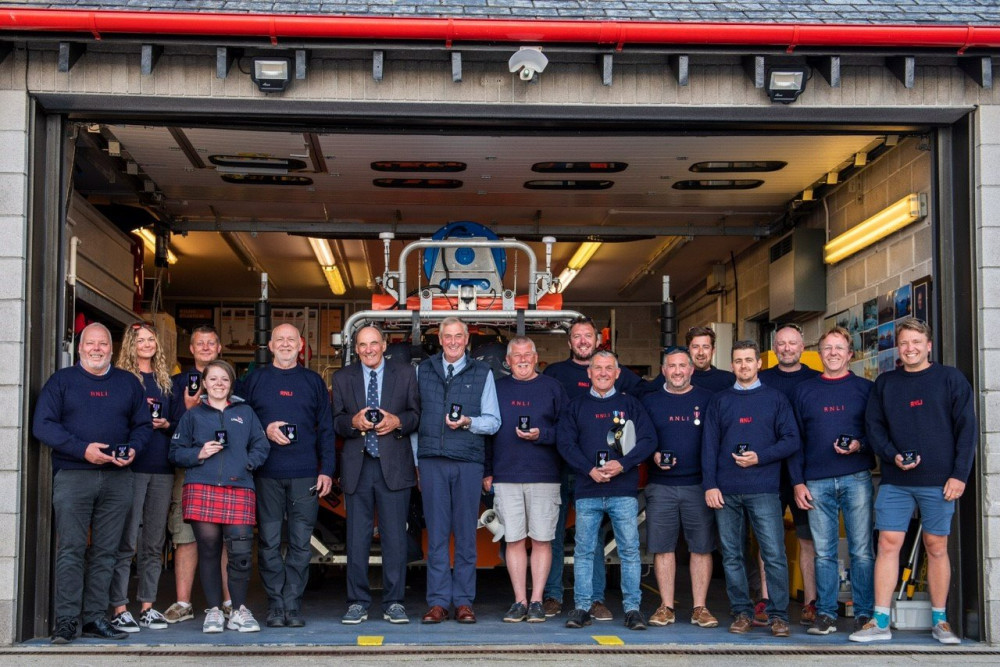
[375, 408]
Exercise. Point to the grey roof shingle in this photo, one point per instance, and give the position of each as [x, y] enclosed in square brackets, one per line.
[767, 11]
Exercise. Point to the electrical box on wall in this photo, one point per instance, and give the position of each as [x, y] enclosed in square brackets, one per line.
[797, 275]
[723, 344]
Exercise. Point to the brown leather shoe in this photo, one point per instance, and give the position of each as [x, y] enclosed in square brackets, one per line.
[464, 614]
[741, 625]
[600, 612]
[779, 627]
[435, 614]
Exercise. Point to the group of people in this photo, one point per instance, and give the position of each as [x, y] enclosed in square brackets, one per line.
[209, 458]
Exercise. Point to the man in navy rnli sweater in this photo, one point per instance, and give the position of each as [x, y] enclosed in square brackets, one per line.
[674, 497]
[749, 431]
[523, 470]
[922, 425]
[789, 373]
[572, 374]
[293, 404]
[701, 343]
[831, 475]
[95, 418]
[607, 481]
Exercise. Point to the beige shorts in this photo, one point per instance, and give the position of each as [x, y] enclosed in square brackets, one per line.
[527, 510]
[180, 532]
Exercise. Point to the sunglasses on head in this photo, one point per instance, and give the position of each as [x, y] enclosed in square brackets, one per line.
[143, 325]
[676, 348]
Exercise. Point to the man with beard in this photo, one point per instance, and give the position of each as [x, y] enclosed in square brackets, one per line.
[701, 343]
[572, 374]
[522, 468]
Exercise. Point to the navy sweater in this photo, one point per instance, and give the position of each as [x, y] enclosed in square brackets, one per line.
[826, 408]
[153, 460]
[583, 429]
[784, 381]
[573, 377]
[929, 411]
[296, 396]
[761, 417]
[76, 408]
[714, 379]
[674, 417]
[513, 459]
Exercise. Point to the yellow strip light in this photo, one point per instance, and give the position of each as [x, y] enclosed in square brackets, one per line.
[149, 240]
[335, 280]
[327, 262]
[583, 254]
[891, 219]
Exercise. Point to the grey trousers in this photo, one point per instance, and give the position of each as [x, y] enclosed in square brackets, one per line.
[94, 503]
[145, 533]
[280, 501]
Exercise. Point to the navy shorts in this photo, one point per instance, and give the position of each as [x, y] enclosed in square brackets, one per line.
[671, 508]
[895, 504]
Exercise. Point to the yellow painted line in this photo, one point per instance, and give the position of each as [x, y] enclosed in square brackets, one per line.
[370, 640]
[608, 640]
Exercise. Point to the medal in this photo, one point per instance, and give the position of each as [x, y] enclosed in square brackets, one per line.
[697, 414]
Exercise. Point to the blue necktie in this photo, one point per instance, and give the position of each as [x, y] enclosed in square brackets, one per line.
[371, 438]
[450, 375]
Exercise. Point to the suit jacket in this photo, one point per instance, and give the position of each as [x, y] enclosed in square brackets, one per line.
[399, 397]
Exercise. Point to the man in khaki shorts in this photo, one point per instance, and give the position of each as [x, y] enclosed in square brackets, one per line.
[522, 468]
[186, 393]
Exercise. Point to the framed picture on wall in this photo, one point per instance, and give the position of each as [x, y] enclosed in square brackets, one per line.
[922, 298]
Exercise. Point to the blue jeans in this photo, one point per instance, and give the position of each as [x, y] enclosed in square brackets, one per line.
[851, 495]
[554, 584]
[765, 514]
[623, 512]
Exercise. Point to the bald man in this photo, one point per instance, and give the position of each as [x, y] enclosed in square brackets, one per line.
[95, 418]
[293, 403]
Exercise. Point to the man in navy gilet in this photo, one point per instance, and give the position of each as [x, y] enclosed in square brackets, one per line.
[458, 410]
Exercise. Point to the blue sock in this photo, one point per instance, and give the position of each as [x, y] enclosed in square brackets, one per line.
[881, 616]
[938, 616]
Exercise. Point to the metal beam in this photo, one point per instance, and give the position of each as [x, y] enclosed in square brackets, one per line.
[755, 68]
[358, 230]
[378, 64]
[69, 53]
[456, 66]
[979, 69]
[903, 68]
[150, 56]
[829, 67]
[301, 63]
[224, 58]
[607, 62]
[679, 65]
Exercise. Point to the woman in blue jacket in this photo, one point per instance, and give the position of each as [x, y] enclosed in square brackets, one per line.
[221, 442]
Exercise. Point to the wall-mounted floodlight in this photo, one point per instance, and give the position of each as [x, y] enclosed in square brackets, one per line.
[271, 74]
[527, 62]
[785, 84]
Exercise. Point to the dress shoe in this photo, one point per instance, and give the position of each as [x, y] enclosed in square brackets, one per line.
[464, 614]
[101, 629]
[435, 614]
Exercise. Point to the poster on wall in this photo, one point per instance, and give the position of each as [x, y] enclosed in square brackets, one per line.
[922, 298]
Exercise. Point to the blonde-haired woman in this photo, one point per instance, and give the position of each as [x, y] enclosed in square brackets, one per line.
[153, 476]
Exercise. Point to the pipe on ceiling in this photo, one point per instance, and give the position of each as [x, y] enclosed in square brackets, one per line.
[276, 27]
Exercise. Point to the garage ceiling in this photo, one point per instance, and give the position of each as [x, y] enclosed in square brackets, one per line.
[173, 168]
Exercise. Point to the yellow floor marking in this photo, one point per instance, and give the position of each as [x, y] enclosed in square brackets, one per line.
[370, 640]
[608, 640]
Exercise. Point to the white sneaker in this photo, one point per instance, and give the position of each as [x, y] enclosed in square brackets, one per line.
[241, 619]
[942, 632]
[214, 620]
[871, 632]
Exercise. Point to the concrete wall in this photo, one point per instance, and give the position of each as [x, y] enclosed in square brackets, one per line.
[987, 166]
[13, 240]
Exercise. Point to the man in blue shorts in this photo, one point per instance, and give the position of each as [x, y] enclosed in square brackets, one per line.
[922, 424]
[674, 498]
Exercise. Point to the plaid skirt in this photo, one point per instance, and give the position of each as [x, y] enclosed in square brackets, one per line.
[233, 505]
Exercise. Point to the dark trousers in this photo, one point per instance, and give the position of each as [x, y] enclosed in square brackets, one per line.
[451, 491]
[88, 503]
[277, 499]
[370, 496]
